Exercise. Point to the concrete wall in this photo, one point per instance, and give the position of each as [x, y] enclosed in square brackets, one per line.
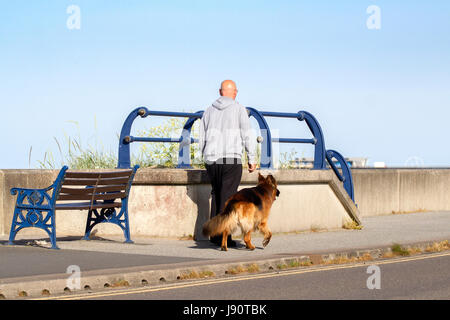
[387, 191]
[176, 203]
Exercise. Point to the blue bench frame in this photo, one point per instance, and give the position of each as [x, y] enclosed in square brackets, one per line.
[40, 207]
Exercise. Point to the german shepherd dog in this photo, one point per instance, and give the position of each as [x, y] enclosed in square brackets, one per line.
[248, 209]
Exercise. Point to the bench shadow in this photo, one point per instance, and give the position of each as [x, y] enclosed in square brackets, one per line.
[44, 242]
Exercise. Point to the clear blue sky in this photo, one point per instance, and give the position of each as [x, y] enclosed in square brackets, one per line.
[382, 94]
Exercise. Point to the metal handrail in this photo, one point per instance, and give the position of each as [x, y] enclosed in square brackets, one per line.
[321, 155]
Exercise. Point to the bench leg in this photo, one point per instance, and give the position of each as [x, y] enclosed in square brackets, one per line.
[89, 227]
[53, 240]
[15, 227]
[33, 218]
[126, 226]
[111, 216]
[93, 219]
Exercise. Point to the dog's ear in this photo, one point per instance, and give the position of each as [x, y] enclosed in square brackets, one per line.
[271, 179]
[278, 193]
[261, 179]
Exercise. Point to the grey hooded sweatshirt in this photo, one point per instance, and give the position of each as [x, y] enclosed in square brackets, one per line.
[224, 131]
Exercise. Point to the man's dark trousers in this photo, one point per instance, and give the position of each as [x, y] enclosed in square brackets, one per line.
[225, 176]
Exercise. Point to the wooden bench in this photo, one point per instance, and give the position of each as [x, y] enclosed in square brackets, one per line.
[103, 194]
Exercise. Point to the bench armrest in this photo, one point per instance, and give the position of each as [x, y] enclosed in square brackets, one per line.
[33, 198]
[36, 197]
[14, 191]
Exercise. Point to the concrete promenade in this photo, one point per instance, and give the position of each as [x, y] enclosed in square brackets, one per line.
[31, 267]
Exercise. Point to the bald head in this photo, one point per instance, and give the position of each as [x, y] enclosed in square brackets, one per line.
[228, 89]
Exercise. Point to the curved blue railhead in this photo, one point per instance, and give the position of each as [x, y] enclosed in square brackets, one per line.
[184, 154]
[346, 176]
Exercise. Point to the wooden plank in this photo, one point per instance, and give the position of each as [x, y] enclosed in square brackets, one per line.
[103, 196]
[86, 205]
[93, 182]
[95, 175]
[99, 189]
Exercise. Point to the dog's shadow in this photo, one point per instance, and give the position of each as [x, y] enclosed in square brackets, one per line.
[206, 244]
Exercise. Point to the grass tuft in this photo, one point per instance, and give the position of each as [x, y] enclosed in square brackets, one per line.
[196, 275]
[120, 283]
[79, 155]
[253, 268]
[236, 270]
[352, 225]
[399, 250]
[438, 246]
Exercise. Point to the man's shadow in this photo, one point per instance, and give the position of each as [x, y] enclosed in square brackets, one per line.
[199, 191]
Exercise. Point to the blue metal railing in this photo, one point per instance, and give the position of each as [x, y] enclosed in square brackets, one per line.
[321, 156]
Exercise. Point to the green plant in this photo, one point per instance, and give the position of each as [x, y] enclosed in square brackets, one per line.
[75, 155]
[293, 264]
[287, 159]
[399, 250]
[78, 155]
[165, 154]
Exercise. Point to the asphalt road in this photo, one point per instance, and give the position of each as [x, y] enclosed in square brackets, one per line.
[28, 261]
[424, 276]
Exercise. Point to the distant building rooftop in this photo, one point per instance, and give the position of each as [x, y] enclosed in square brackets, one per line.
[355, 162]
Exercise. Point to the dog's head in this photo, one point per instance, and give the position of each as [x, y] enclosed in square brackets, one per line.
[269, 180]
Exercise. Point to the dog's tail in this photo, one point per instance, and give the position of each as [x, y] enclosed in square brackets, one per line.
[225, 221]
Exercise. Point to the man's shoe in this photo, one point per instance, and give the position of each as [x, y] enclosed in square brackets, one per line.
[216, 240]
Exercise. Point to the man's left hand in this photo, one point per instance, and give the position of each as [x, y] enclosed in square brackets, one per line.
[251, 167]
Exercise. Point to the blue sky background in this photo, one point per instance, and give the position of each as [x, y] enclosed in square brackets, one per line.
[381, 94]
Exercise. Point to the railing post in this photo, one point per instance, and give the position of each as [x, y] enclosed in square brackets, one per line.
[184, 153]
[319, 148]
[124, 146]
[266, 160]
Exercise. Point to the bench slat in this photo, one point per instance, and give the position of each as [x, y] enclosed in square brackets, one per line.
[111, 188]
[86, 206]
[94, 175]
[93, 182]
[105, 196]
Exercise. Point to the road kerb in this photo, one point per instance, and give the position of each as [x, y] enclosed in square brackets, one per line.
[90, 281]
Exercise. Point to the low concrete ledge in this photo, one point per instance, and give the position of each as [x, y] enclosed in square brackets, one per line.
[148, 176]
[176, 202]
[387, 191]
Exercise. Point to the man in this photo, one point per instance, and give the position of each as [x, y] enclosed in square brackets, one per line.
[224, 130]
